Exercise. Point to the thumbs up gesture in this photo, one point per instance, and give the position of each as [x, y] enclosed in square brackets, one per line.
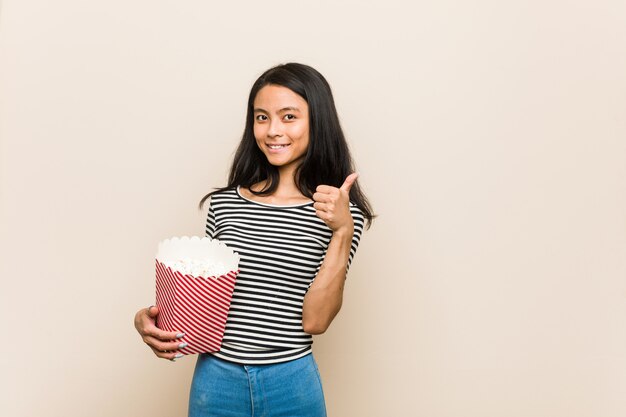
[332, 205]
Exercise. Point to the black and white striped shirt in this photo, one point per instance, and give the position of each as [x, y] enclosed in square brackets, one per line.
[281, 250]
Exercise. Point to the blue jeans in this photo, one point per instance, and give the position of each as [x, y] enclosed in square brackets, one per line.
[226, 389]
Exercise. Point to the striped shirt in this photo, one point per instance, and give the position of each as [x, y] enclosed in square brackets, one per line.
[281, 249]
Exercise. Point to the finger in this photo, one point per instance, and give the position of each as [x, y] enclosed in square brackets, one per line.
[161, 334]
[322, 214]
[350, 179]
[150, 328]
[327, 216]
[153, 311]
[326, 189]
[167, 355]
[322, 197]
[163, 346]
[320, 206]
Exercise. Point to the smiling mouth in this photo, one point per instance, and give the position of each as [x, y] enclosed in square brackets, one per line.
[277, 146]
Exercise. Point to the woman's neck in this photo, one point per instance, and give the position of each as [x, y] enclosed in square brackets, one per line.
[286, 192]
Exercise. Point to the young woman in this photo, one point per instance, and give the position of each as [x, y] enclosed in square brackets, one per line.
[294, 212]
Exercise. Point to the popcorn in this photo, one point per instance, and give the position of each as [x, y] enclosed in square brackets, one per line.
[211, 251]
[201, 268]
[195, 280]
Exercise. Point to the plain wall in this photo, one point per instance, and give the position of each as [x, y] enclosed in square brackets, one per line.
[490, 137]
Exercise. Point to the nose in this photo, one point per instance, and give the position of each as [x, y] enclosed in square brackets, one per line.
[274, 129]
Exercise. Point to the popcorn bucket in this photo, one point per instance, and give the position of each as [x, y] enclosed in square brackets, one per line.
[195, 279]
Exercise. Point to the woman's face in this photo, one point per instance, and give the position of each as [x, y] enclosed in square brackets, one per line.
[281, 125]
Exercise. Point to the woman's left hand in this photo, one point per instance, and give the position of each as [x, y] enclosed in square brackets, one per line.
[332, 205]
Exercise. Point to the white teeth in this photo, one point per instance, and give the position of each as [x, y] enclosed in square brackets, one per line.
[277, 146]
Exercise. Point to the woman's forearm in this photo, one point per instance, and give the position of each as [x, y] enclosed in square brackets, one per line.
[323, 299]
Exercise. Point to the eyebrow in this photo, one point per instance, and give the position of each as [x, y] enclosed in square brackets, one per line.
[284, 109]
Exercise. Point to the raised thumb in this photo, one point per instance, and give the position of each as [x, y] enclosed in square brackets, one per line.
[350, 179]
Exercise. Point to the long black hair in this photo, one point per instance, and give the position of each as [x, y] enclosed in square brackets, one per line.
[327, 160]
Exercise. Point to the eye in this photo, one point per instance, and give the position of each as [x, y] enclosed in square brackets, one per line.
[261, 117]
[290, 117]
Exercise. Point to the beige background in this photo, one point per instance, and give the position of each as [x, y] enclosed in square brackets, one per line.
[490, 137]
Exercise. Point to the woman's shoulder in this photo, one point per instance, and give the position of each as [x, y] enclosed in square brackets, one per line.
[226, 191]
[223, 194]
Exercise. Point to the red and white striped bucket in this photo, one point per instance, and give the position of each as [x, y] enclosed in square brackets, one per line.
[195, 306]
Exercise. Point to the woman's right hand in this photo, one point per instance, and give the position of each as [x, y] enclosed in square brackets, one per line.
[162, 343]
